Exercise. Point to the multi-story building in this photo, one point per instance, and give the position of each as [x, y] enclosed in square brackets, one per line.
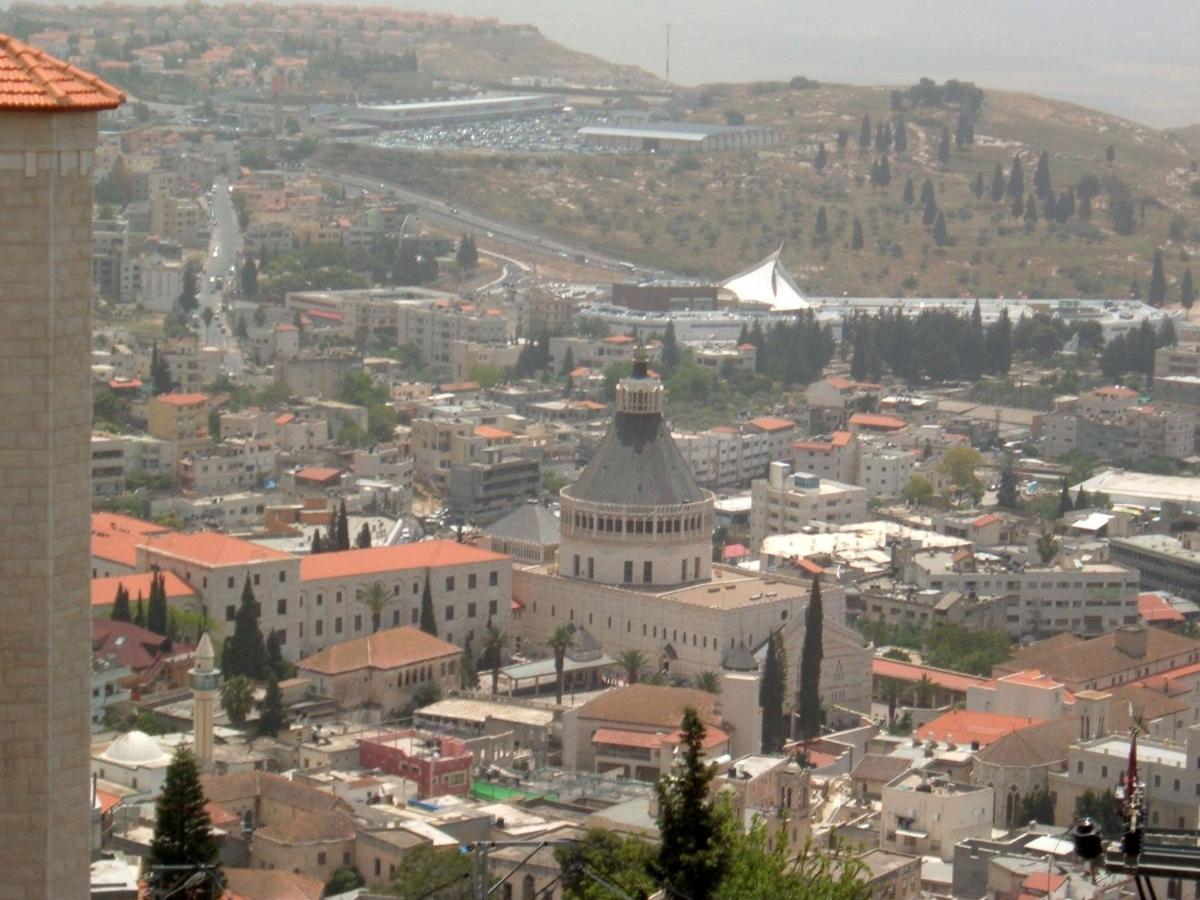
[884, 470]
[235, 464]
[484, 490]
[181, 419]
[433, 327]
[192, 366]
[929, 815]
[1109, 423]
[182, 219]
[108, 465]
[833, 456]
[734, 454]
[439, 766]
[161, 283]
[1165, 562]
[1182, 359]
[786, 501]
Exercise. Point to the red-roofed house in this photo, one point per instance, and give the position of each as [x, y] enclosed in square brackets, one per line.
[876, 424]
[179, 418]
[835, 456]
[180, 594]
[115, 539]
[972, 729]
[1157, 611]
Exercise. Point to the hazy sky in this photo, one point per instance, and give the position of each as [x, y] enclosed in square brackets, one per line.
[1139, 59]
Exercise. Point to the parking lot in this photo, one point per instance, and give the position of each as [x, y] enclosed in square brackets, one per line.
[552, 133]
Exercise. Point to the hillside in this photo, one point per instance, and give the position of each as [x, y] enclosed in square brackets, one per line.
[714, 215]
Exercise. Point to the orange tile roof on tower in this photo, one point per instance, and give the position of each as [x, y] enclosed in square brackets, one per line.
[33, 80]
[377, 560]
[387, 649]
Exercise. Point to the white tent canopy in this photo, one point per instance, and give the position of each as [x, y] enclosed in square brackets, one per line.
[768, 282]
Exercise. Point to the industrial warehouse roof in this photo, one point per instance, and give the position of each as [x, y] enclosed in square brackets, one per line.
[464, 103]
[637, 464]
[768, 282]
[670, 131]
[33, 80]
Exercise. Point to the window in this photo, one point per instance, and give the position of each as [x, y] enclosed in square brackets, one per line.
[395, 617]
[492, 607]
[416, 587]
[576, 565]
[628, 571]
[1079, 767]
[337, 625]
[229, 582]
[591, 567]
[647, 572]
[449, 582]
[320, 628]
[449, 613]
[282, 577]
[683, 570]
[471, 582]
[281, 606]
[345, 857]
[415, 615]
[471, 608]
[321, 858]
[494, 576]
[339, 597]
[230, 613]
[256, 579]
[358, 623]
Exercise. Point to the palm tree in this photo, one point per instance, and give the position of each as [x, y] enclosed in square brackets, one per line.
[708, 681]
[237, 699]
[890, 692]
[493, 643]
[657, 678]
[924, 689]
[374, 597]
[633, 662]
[560, 642]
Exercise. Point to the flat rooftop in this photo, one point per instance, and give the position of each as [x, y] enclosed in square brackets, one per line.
[480, 711]
[1147, 752]
[463, 103]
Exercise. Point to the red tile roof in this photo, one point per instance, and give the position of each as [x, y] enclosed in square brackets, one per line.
[33, 80]
[127, 643]
[106, 801]
[491, 432]
[378, 560]
[985, 520]
[387, 649]
[617, 737]
[104, 590]
[772, 423]
[1153, 608]
[1116, 391]
[964, 727]
[883, 423]
[210, 549]
[837, 439]
[734, 551]
[116, 537]
[943, 678]
[181, 399]
[317, 473]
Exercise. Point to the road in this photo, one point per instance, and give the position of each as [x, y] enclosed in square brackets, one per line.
[224, 252]
[438, 212]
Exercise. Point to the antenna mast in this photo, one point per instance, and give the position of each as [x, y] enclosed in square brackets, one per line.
[668, 53]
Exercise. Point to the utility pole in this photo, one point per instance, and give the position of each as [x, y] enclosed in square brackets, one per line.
[668, 53]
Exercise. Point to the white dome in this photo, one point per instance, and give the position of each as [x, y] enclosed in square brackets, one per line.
[136, 748]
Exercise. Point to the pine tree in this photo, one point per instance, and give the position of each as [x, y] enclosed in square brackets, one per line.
[428, 622]
[249, 277]
[908, 191]
[820, 159]
[1031, 213]
[189, 294]
[1041, 177]
[964, 130]
[120, 610]
[670, 348]
[940, 236]
[467, 256]
[363, 541]
[943, 152]
[1018, 207]
[1007, 495]
[1081, 499]
[999, 344]
[692, 857]
[1187, 295]
[160, 372]
[182, 828]
[1016, 180]
[1157, 294]
[772, 692]
[1065, 207]
[810, 665]
[885, 172]
[977, 186]
[156, 611]
[1064, 499]
[275, 663]
[822, 225]
[246, 650]
[900, 142]
[864, 133]
[856, 235]
[272, 716]
[139, 615]
[997, 184]
[343, 528]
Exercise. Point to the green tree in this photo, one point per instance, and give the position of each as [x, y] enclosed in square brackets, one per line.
[424, 873]
[670, 349]
[363, 539]
[693, 858]
[344, 880]
[940, 236]
[160, 372]
[156, 610]
[621, 859]
[1065, 505]
[139, 613]
[237, 699]
[276, 665]
[343, 527]
[245, 653]
[821, 158]
[1157, 294]
[1103, 810]
[467, 256]
[708, 681]
[918, 491]
[1041, 177]
[943, 151]
[772, 692]
[249, 275]
[189, 294]
[977, 187]
[568, 364]
[821, 228]
[1187, 294]
[634, 662]
[120, 610]
[375, 597]
[864, 133]
[908, 195]
[997, 183]
[1047, 547]
[272, 715]
[959, 465]
[560, 642]
[1016, 180]
[428, 622]
[856, 235]
[760, 868]
[1036, 806]
[809, 705]
[494, 642]
[891, 690]
[183, 833]
[1031, 212]
[1006, 496]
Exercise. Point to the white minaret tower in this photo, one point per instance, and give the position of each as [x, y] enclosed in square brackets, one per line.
[206, 679]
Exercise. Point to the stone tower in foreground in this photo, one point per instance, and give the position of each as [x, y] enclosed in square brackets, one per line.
[206, 681]
[48, 113]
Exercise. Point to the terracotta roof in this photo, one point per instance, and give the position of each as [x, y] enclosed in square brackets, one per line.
[649, 704]
[180, 399]
[271, 884]
[1149, 701]
[490, 431]
[879, 767]
[943, 678]
[33, 80]
[104, 590]
[1075, 661]
[883, 423]
[772, 423]
[378, 560]
[311, 828]
[208, 548]
[1115, 391]
[964, 727]
[317, 473]
[116, 537]
[1153, 608]
[387, 649]
[285, 418]
[106, 801]
[985, 520]
[734, 551]
[127, 644]
[617, 737]
[837, 439]
[228, 790]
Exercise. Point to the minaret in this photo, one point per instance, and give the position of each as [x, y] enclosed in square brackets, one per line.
[48, 123]
[206, 679]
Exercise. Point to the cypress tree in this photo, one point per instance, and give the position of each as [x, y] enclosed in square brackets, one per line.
[1041, 176]
[940, 236]
[139, 615]
[272, 716]
[964, 130]
[822, 224]
[1016, 180]
[1110, 154]
[810, 665]
[944, 146]
[156, 611]
[864, 133]
[120, 610]
[1065, 207]
[317, 545]
[568, 365]
[276, 665]
[246, 649]
[843, 138]
[908, 191]
[428, 622]
[900, 141]
[1081, 499]
[1031, 213]
[182, 828]
[885, 172]
[856, 235]
[1064, 499]
[363, 541]
[1018, 206]
[670, 348]
[927, 193]
[1187, 295]
[692, 857]
[1157, 294]
[977, 186]
[997, 184]
[343, 528]
[771, 693]
[930, 213]
[1007, 495]
[821, 158]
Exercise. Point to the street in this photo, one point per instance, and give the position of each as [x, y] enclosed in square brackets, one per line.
[221, 262]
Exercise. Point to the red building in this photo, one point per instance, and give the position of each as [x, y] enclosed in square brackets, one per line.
[438, 765]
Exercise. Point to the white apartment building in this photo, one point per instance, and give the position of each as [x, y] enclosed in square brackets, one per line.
[162, 283]
[433, 327]
[884, 471]
[786, 501]
[235, 464]
[928, 815]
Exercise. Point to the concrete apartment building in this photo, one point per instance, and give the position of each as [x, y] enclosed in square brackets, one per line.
[734, 454]
[192, 366]
[1112, 424]
[181, 419]
[929, 815]
[1164, 562]
[786, 501]
[161, 283]
[182, 219]
[485, 490]
[48, 128]
[236, 464]
[833, 456]
[433, 327]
